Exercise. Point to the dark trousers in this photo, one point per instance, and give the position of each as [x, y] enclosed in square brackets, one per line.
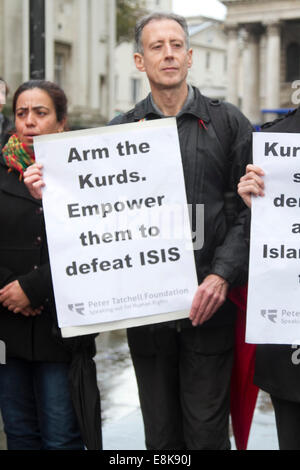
[36, 406]
[287, 415]
[183, 379]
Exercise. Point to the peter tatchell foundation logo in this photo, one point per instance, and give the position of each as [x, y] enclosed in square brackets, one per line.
[77, 308]
[282, 316]
[270, 315]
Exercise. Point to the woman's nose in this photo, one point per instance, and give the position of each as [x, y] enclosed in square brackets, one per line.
[30, 119]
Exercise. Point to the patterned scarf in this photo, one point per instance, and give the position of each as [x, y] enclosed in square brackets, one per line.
[18, 156]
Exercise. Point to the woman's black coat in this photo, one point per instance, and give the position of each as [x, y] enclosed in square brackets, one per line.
[24, 256]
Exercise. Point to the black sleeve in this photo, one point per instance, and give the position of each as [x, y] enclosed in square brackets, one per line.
[6, 276]
[232, 257]
[37, 285]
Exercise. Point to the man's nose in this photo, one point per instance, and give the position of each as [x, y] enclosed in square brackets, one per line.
[168, 50]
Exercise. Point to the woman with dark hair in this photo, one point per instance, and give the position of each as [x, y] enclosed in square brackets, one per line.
[35, 398]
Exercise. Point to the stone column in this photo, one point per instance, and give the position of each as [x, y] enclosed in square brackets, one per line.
[49, 43]
[233, 64]
[273, 68]
[11, 46]
[96, 11]
[2, 40]
[111, 57]
[25, 40]
[251, 88]
[80, 60]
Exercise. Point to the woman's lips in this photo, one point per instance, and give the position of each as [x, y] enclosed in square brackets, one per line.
[31, 136]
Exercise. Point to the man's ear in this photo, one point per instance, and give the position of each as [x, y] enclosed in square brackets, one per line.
[190, 58]
[139, 61]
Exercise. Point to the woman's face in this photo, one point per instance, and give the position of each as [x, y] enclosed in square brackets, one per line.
[35, 115]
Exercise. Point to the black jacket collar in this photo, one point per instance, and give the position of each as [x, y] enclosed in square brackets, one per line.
[198, 108]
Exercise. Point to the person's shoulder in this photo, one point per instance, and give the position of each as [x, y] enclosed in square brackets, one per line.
[226, 113]
[233, 110]
[223, 107]
[135, 114]
[116, 120]
[123, 118]
[216, 102]
[280, 123]
[119, 119]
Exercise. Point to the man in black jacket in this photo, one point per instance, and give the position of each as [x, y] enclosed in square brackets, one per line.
[183, 368]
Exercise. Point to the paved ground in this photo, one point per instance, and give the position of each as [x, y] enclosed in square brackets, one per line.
[127, 433]
[122, 421]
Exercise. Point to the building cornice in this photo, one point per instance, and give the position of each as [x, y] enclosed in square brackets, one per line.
[257, 11]
[229, 3]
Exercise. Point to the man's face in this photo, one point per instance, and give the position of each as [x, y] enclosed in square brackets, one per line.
[165, 59]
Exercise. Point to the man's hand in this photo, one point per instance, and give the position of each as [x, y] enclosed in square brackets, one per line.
[210, 295]
[33, 179]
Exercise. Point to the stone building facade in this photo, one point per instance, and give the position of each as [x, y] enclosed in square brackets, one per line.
[209, 43]
[263, 55]
[80, 47]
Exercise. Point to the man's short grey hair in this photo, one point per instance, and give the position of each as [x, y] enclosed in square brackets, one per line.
[140, 25]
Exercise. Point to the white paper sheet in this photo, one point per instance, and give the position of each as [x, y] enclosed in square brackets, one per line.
[117, 226]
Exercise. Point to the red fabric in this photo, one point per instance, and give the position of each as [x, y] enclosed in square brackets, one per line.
[243, 391]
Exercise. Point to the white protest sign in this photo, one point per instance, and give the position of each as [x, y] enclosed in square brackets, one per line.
[273, 309]
[117, 226]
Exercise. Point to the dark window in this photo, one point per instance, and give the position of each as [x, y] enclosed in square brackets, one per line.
[293, 62]
[207, 64]
[135, 89]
